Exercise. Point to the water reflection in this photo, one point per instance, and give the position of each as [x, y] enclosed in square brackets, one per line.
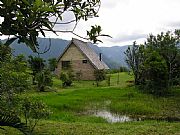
[113, 118]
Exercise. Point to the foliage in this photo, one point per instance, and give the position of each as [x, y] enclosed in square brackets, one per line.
[52, 64]
[37, 65]
[32, 111]
[120, 69]
[13, 121]
[71, 116]
[67, 77]
[100, 75]
[26, 19]
[155, 64]
[74, 104]
[14, 76]
[154, 72]
[134, 58]
[13, 80]
[44, 78]
[166, 45]
[5, 52]
[94, 33]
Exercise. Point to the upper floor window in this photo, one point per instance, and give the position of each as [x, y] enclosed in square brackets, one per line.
[84, 61]
[65, 64]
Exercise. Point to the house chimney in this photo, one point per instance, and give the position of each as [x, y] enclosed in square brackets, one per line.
[100, 56]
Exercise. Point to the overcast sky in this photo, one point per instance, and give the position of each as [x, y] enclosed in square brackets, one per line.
[130, 20]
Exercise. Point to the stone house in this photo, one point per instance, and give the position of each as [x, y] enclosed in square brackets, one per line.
[81, 58]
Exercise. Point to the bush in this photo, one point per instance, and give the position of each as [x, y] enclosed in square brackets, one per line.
[154, 74]
[100, 75]
[67, 78]
[44, 78]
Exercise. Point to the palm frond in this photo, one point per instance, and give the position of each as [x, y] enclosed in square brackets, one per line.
[13, 121]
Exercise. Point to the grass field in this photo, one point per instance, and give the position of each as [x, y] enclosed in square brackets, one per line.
[73, 109]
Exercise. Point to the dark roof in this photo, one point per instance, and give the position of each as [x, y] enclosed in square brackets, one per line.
[88, 52]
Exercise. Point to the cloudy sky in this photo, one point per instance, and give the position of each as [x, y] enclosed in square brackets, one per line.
[130, 20]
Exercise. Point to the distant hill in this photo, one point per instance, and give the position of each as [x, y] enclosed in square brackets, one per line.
[112, 56]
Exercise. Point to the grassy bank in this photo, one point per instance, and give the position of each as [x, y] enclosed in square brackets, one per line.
[73, 105]
[72, 109]
[131, 128]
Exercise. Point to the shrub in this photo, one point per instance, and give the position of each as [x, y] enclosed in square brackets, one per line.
[100, 75]
[67, 78]
[44, 78]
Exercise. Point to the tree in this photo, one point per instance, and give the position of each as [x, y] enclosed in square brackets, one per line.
[166, 45]
[5, 52]
[156, 63]
[52, 64]
[67, 76]
[154, 72]
[44, 78]
[134, 57]
[26, 19]
[32, 111]
[36, 65]
[100, 75]
[13, 80]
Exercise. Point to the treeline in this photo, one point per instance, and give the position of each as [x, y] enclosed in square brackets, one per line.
[17, 74]
[156, 63]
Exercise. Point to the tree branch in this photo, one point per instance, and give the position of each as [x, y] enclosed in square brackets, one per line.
[64, 22]
[68, 31]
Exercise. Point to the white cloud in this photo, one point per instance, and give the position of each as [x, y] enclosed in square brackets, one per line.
[122, 18]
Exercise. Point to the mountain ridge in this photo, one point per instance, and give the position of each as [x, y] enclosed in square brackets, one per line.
[113, 56]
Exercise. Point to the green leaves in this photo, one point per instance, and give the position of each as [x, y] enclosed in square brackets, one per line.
[26, 2]
[95, 32]
[38, 3]
[10, 41]
[155, 64]
[25, 19]
[13, 121]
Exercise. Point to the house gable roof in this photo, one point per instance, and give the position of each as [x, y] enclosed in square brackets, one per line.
[88, 52]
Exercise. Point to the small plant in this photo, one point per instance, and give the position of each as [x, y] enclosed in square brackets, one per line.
[36, 64]
[100, 75]
[67, 78]
[52, 64]
[32, 111]
[44, 78]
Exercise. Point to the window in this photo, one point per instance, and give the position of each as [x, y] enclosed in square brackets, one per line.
[65, 64]
[84, 61]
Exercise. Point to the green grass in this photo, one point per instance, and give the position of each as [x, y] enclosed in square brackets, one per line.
[123, 77]
[129, 101]
[72, 109]
[140, 128]
[128, 128]
[72, 104]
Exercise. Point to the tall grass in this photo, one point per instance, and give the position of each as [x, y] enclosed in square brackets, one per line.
[73, 108]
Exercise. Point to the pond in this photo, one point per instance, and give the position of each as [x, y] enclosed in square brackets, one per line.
[113, 118]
